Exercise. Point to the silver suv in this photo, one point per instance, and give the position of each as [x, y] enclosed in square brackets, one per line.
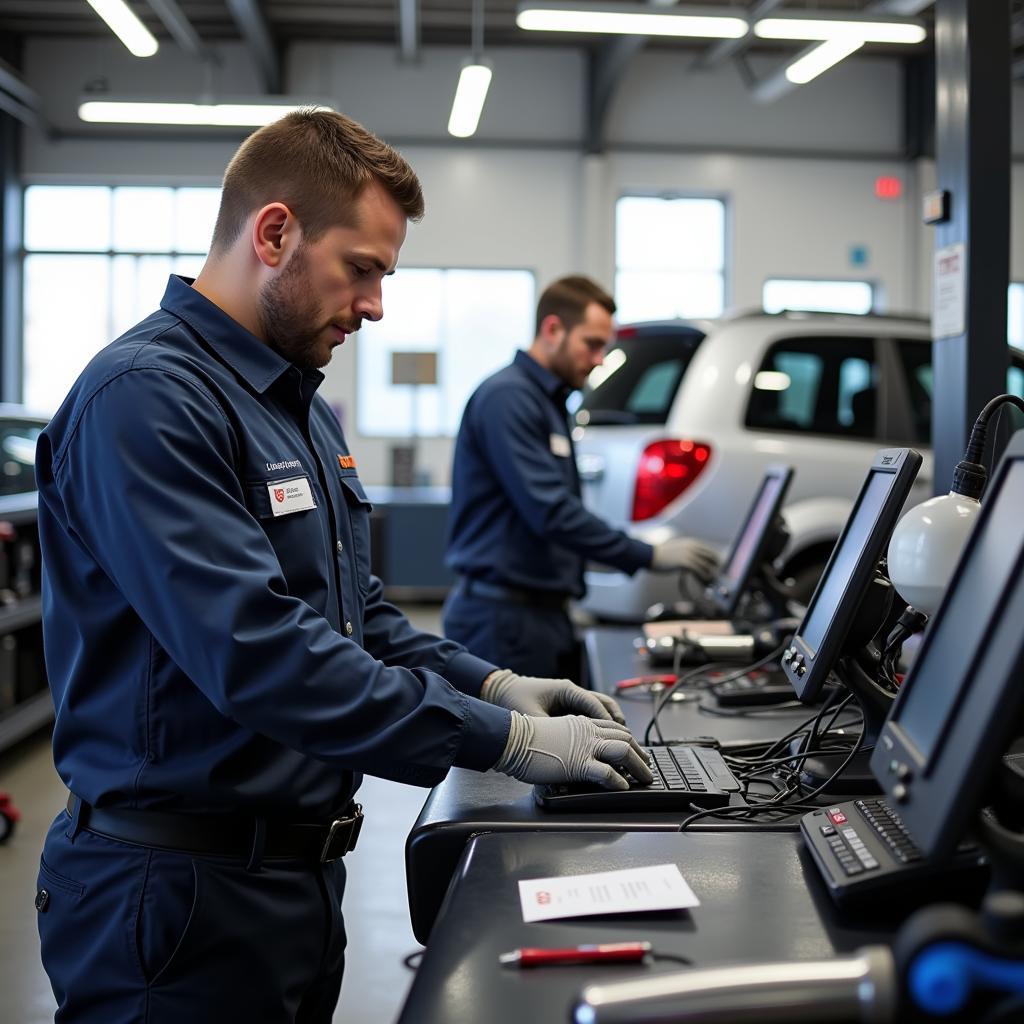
[676, 428]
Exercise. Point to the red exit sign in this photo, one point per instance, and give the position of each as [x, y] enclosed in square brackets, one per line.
[887, 187]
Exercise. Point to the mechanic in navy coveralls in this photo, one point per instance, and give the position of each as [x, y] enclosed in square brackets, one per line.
[223, 665]
[519, 534]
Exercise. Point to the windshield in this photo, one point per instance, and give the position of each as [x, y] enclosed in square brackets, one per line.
[639, 378]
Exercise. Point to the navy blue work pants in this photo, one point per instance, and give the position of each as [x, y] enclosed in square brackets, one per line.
[142, 936]
[530, 640]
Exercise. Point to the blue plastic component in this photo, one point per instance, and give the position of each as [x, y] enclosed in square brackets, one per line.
[942, 977]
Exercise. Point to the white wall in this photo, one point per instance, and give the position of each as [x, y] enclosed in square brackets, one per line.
[797, 174]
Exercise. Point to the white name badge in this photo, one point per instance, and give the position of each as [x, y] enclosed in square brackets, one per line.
[288, 496]
[560, 446]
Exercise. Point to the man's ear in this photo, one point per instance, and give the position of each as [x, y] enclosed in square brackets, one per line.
[552, 330]
[274, 231]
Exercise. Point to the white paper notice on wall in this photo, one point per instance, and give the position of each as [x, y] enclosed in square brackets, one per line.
[949, 291]
[660, 887]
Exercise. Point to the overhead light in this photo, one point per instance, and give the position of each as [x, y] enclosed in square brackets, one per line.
[237, 114]
[835, 27]
[820, 59]
[126, 26]
[474, 80]
[628, 19]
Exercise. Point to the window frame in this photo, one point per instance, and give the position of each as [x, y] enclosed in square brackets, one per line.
[670, 195]
[16, 367]
[358, 352]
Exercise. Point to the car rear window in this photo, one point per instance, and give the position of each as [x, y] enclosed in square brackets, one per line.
[639, 379]
[18, 455]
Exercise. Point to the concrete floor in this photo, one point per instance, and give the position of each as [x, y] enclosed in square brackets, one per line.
[376, 909]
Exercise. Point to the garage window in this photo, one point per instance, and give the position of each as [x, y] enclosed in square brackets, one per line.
[105, 254]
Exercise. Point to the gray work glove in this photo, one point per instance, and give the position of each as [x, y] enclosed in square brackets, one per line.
[572, 749]
[686, 553]
[547, 697]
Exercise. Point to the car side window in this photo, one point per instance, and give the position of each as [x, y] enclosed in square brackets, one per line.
[916, 360]
[817, 385]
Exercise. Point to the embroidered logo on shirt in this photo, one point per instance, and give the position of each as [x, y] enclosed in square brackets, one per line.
[278, 494]
[272, 467]
[347, 461]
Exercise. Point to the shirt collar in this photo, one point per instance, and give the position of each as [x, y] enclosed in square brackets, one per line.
[253, 360]
[551, 384]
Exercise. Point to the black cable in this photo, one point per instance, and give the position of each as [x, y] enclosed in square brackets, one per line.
[412, 960]
[700, 670]
[674, 957]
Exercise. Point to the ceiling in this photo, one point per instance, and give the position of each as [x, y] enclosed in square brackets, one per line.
[440, 21]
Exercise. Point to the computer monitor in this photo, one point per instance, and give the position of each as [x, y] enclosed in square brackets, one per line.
[820, 637]
[960, 705]
[748, 548]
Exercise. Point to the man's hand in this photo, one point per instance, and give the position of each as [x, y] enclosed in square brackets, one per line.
[686, 553]
[572, 749]
[547, 697]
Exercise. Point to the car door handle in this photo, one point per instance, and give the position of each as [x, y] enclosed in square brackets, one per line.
[590, 467]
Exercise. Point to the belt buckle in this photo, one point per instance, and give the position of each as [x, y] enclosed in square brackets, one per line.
[342, 836]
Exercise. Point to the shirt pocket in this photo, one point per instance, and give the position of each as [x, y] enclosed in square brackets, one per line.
[359, 509]
[299, 542]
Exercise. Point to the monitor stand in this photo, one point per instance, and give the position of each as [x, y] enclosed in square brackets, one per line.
[856, 778]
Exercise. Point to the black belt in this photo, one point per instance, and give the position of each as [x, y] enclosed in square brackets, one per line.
[514, 595]
[224, 835]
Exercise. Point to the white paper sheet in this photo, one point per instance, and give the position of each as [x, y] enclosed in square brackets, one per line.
[660, 887]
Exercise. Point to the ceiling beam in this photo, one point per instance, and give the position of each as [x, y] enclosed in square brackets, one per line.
[180, 28]
[604, 74]
[255, 30]
[409, 30]
[19, 100]
[723, 49]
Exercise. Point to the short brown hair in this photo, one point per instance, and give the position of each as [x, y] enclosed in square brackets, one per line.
[568, 297]
[316, 162]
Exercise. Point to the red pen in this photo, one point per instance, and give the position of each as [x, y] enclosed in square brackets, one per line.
[653, 681]
[608, 952]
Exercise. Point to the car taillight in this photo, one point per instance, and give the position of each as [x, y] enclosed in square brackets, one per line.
[666, 469]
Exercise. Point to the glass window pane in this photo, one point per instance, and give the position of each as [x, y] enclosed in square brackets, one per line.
[652, 233]
[138, 284]
[143, 219]
[647, 295]
[1015, 315]
[818, 296]
[66, 218]
[194, 217]
[57, 346]
[473, 319]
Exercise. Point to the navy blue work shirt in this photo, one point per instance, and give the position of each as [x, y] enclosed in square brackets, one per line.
[516, 516]
[214, 638]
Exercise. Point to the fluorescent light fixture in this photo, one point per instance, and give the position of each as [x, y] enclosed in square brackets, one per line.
[474, 80]
[820, 59]
[238, 114]
[126, 26]
[835, 27]
[629, 19]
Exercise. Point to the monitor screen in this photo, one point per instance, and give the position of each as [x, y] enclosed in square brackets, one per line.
[960, 704]
[822, 611]
[747, 550]
[757, 522]
[818, 642]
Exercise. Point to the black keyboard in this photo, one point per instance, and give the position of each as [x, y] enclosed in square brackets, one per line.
[683, 776]
[862, 847]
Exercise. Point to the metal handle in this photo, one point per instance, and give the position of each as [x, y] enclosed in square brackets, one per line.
[861, 988]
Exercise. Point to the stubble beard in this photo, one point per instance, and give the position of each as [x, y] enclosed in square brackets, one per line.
[289, 316]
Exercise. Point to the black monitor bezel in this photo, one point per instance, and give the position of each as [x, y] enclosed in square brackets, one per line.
[725, 593]
[937, 801]
[807, 670]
